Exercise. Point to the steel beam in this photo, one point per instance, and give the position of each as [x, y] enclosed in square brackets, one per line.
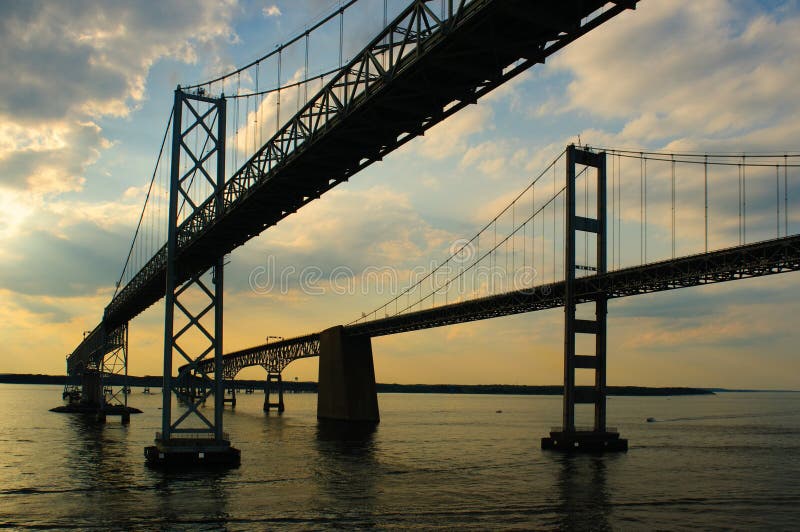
[190, 437]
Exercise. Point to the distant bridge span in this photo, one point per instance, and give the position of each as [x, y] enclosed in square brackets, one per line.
[753, 260]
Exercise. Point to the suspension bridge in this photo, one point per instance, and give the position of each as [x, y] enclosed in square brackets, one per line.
[230, 167]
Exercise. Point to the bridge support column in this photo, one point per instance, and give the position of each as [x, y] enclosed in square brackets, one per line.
[92, 388]
[278, 381]
[598, 437]
[194, 289]
[114, 396]
[347, 389]
[232, 399]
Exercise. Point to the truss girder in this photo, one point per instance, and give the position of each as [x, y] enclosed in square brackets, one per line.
[408, 54]
[274, 357]
[91, 353]
[753, 260]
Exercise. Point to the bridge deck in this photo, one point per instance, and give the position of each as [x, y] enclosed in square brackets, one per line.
[741, 262]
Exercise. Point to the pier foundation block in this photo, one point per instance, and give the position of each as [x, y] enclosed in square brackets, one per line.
[192, 452]
[585, 441]
[347, 389]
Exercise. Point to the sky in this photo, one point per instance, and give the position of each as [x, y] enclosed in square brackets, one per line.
[87, 88]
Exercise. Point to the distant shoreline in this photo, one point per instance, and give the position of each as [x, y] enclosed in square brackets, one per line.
[473, 389]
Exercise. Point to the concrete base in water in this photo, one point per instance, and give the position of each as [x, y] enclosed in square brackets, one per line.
[124, 412]
[347, 389]
[192, 452]
[585, 441]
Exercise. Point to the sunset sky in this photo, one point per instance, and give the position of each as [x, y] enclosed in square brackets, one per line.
[87, 87]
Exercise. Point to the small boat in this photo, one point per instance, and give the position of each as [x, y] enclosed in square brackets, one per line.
[651, 420]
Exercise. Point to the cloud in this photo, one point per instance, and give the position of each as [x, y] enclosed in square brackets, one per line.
[67, 65]
[83, 261]
[66, 68]
[382, 229]
[677, 73]
[451, 136]
[92, 58]
[271, 11]
[49, 159]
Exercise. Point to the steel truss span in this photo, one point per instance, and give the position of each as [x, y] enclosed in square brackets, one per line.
[418, 71]
[273, 357]
[753, 260]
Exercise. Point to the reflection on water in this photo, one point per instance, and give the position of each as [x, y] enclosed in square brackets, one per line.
[197, 500]
[584, 503]
[346, 437]
[436, 461]
[346, 470]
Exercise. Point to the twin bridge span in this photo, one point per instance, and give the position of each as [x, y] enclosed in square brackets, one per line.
[224, 174]
[348, 348]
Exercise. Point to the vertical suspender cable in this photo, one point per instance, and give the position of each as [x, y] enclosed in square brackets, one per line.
[524, 245]
[494, 255]
[305, 77]
[258, 110]
[673, 205]
[554, 224]
[777, 202]
[278, 111]
[131, 250]
[247, 125]
[533, 229]
[645, 209]
[785, 196]
[542, 254]
[562, 230]
[613, 211]
[513, 238]
[705, 196]
[505, 249]
[341, 38]
[739, 178]
[236, 125]
[619, 211]
[744, 200]
[641, 208]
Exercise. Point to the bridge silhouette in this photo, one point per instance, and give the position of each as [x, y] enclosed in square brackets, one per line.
[426, 63]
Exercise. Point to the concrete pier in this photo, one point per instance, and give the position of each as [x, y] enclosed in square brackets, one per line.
[232, 399]
[278, 381]
[347, 389]
[92, 388]
[91, 400]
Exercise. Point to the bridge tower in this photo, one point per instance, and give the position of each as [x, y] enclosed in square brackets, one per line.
[193, 309]
[599, 437]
